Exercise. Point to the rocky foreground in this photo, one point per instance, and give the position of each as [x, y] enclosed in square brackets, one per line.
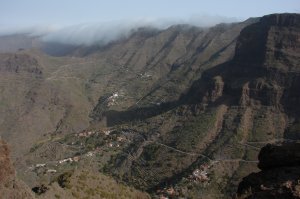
[279, 176]
[10, 186]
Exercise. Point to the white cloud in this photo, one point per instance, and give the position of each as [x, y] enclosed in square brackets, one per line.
[105, 32]
[30, 30]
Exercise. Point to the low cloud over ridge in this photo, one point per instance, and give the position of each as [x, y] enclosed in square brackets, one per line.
[105, 32]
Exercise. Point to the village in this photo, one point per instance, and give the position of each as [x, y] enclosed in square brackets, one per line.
[111, 139]
[110, 142]
[198, 176]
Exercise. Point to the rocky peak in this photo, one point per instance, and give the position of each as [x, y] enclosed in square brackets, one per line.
[265, 68]
[215, 90]
[282, 20]
[273, 42]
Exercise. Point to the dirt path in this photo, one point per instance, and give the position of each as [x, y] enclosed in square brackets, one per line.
[274, 141]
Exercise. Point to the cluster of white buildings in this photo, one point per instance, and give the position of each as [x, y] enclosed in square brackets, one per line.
[145, 75]
[112, 99]
[200, 175]
[86, 133]
[74, 159]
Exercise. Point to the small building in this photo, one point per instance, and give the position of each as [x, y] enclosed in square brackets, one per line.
[90, 154]
[65, 160]
[200, 175]
[107, 132]
[170, 191]
[51, 171]
[90, 133]
[76, 158]
[82, 134]
[121, 139]
[40, 165]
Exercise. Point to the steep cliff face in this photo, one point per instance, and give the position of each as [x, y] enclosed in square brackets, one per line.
[271, 43]
[10, 186]
[269, 58]
[265, 68]
[226, 117]
[280, 175]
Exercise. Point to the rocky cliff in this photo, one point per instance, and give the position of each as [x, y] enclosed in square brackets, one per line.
[10, 186]
[226, 116]
[279, 176]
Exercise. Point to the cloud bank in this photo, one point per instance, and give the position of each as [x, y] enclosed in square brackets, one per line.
[106, 32]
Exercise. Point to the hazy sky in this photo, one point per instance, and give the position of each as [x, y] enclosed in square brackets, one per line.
[98, 21]
[69, 12]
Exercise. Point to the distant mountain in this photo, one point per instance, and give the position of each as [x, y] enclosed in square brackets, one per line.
[19, 42]
[15, 42]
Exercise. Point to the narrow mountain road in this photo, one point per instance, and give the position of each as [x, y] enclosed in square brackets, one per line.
[55, 75]
[274, 141]
[184, 152]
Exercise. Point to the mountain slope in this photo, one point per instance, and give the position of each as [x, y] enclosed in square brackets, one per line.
[223, 120]
[144, 69]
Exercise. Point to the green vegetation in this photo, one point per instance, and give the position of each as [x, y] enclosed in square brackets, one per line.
[64, 179]
[194, 130]
[150, 152]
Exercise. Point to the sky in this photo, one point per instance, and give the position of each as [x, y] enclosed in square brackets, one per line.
[49, 15]
[68, 12]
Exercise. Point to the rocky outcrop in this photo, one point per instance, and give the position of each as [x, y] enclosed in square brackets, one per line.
[271, 43]
[10, 186]
[267, 54]
[216, 90]
[265, 69]
[272, 156]
[280, 175]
